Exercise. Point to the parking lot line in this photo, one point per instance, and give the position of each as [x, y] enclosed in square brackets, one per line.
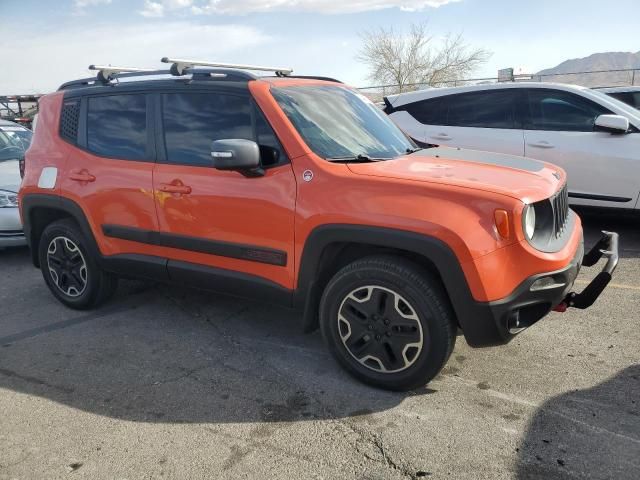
[541, 406]
[63, 324]
[613, 285]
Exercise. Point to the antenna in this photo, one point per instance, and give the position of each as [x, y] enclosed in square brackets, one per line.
[180, 65]
[108, 72]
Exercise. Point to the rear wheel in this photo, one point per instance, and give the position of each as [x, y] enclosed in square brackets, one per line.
[72, 275]
[388, 322]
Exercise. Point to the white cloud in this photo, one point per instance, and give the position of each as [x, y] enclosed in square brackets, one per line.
[90, 3]
[242, 7]
[49, 58]
[157, 8]
[152, 9]
[80, 6]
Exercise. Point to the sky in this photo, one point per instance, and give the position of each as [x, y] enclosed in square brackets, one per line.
[45, 43]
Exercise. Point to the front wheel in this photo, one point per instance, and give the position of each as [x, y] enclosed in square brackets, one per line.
[71, 273]
[388, 322]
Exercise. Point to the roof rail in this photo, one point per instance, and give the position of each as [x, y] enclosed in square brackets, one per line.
[108, 72]
[179, 66]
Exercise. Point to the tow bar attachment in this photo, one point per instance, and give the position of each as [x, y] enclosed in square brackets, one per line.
[606, 247]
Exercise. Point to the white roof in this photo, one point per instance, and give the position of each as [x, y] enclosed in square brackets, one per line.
[404, 98]
[628, 88]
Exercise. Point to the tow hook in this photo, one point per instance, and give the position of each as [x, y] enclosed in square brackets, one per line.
[606, 247]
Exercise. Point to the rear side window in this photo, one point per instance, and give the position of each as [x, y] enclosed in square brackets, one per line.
[485, 109]
[117, 126]
[432, 111]
[556, 110]
[192, 121]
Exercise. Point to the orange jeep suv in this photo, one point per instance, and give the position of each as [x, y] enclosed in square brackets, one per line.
[299, 191]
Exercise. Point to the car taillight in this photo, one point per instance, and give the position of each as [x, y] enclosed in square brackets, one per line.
[21, 165]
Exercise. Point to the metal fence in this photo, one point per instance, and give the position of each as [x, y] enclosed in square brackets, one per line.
[596, 78]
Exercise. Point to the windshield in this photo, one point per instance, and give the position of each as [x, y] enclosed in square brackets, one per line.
[14, 141]
[336, 122]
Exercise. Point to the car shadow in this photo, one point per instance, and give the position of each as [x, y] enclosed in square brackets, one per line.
[160, 353]
[591, 433]
[626, 224]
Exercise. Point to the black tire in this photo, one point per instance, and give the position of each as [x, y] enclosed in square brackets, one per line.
[75, 289]
[388, 351]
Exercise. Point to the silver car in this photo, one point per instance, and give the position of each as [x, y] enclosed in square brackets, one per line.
[14, 141]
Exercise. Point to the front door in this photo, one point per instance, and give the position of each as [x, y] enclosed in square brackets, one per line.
[603, 169]
[223, 220]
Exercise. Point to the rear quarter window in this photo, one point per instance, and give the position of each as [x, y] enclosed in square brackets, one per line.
[483, 109]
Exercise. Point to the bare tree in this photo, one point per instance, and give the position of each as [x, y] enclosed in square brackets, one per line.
[406, 60]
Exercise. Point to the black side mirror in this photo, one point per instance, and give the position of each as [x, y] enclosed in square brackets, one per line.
[237, 154]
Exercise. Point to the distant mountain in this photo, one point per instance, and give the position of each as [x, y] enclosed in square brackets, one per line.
[595, 62]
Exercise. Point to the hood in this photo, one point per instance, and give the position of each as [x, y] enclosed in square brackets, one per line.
[10, 175]
[517, 177]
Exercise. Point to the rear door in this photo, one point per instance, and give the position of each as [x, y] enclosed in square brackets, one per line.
[603, 168]
[483, 120]
[109, 173]
[238, 226]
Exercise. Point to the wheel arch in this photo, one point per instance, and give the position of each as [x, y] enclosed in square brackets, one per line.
[39, 210]
[329, 247]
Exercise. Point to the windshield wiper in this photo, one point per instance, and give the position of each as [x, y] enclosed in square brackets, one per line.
[413, 150]
[361, 157]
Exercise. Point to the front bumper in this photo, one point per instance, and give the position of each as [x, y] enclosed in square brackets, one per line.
[11, 234]
[499, 321]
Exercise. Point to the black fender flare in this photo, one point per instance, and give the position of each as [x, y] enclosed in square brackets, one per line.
[474, 317]
[33, 201]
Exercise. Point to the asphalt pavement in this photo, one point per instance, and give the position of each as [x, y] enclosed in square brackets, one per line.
[164, 382]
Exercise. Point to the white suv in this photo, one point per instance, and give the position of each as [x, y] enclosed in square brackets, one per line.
[592, 136]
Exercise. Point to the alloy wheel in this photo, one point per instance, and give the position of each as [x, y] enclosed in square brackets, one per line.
[67, 266]
[380, 329]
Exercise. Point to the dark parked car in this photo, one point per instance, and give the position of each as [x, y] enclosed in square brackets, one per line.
[628, 95]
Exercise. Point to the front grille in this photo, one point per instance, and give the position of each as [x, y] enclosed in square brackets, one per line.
[560, 206]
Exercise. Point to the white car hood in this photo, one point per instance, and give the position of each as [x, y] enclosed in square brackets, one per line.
[10, 175]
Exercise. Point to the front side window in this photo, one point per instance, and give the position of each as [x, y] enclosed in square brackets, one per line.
[193, 120]
[117, 126]
[337, 123]
[556, 110]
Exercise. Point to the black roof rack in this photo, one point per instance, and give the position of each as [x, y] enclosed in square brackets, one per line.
[180, 66]
[109, 75]
[316, 77]
[195, 73]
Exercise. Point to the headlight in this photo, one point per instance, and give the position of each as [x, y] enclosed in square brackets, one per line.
[529, 221]
[8, 199]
